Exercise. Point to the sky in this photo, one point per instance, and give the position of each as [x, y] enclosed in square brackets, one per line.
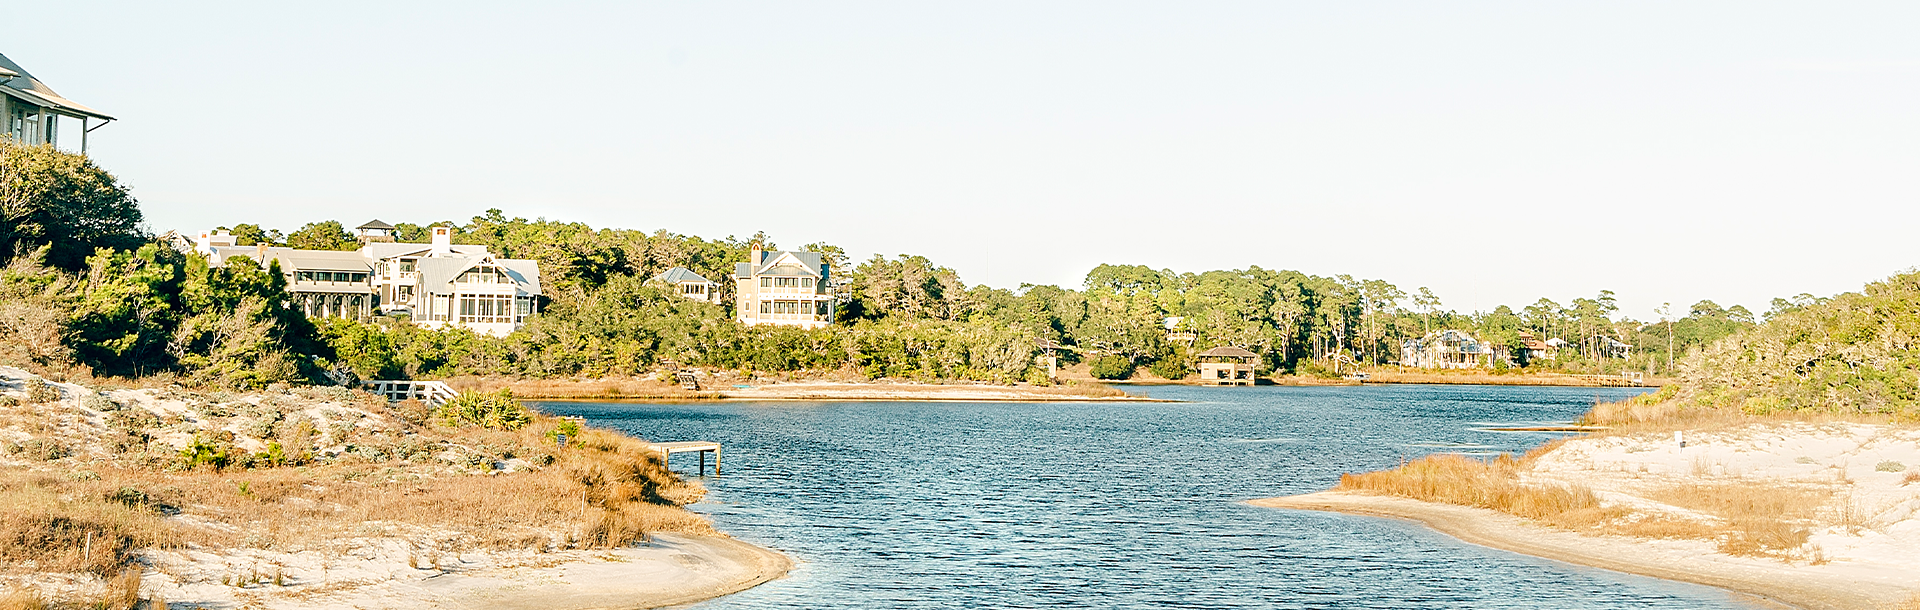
[1494, 152]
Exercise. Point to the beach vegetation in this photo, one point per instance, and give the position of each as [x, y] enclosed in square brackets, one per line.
[1111, 366]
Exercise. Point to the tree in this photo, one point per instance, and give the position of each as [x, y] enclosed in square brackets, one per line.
[325, 235]
[248, 235]
[64, 202]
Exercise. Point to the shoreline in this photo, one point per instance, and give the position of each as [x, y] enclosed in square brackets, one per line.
[1695, 562]
[669, 570]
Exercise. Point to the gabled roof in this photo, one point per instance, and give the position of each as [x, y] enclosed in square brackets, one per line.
[19, 84]
[375, 224]
[806, 260]
[1227, 352]
[678, 275]
[524, 272]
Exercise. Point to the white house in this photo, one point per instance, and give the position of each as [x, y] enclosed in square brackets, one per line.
[435, 284]
[783, 288]
[32, 111]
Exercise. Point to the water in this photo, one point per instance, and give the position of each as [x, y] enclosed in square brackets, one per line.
[999, 505]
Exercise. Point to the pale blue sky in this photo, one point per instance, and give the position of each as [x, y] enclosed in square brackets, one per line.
[1495, 152]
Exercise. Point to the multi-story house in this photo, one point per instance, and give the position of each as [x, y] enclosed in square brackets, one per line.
[32, 111]
[784, 288]
[435, 284]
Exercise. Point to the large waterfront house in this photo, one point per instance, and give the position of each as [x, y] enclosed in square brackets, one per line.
[32, 110]
[435, 284]
[686, 283]
[783, 288]
[1450, 349]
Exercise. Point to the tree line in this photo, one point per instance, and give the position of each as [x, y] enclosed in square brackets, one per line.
[84, 285]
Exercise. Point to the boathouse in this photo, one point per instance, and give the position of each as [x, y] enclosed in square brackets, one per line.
[1227, 366]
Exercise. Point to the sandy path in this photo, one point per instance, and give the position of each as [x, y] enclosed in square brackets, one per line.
[1801, 586]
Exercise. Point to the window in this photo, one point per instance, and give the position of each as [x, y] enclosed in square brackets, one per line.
[766, 307]
[483, 274]
[766, 282]
[806, 282]
[406, 266]
[486, 308]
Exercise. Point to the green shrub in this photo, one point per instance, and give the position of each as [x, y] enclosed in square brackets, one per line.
[1890, 466]
[1169, 368]
[1111, 367]
[496, 410]
[203, 453]
[100, 402]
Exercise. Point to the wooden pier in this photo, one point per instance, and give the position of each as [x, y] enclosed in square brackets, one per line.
[701, 447]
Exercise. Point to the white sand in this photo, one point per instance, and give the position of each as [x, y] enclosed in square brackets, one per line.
[1864, 548]
[389, 573]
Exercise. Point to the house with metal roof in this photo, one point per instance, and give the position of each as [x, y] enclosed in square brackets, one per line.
[686, 283]
[783, 288]
[32, 110]
[435, 284]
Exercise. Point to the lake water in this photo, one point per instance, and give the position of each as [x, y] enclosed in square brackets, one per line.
[1119, 505]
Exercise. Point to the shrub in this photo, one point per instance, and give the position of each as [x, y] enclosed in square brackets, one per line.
[45, 450]
[496, 410]
[1890, 466]
[203, 453]
[1111, 367]
[1169, 368]
[100, 402]
[40, 391]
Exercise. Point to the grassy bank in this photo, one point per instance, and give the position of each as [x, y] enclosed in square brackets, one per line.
[94, 480]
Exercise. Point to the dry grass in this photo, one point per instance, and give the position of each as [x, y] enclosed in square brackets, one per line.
[1454, 479]
[1912, 603]
[1748, 519]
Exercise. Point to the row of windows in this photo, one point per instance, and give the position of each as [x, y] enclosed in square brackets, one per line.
[483, 274]
[490, 308]
[818, 308]
[330, 276]
[693, 289]
[786, 282]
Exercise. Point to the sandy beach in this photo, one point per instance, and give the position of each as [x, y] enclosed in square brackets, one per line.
[1860, 545]
[669, 571]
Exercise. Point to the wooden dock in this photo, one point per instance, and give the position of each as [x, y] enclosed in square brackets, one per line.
[701, 447]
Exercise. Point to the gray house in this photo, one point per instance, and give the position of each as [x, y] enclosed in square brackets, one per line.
[32, 110]
[686, 283]
[783, 288]
[435, 284]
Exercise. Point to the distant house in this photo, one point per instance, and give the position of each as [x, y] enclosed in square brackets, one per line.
[1449, 349]
[32, 110]
[1540, 350]
[435, 284]
[1226, 366]
[783, 288]
[686, 283]
[321, 283]
[374, 231]
[1608, 347]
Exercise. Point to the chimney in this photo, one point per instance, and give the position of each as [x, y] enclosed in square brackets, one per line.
[442, 241]
[260, 252]
[753, 254]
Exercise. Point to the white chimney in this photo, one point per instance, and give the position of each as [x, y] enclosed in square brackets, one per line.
[442, 241]
[753, 254]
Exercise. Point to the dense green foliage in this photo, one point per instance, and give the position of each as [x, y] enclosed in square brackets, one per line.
[1854, 353]
[64, 203]
[143, 308]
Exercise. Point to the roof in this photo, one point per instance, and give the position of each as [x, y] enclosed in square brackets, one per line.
[1227, 352]
[808, 260]
[525, 273]
[294, 260]
[19, 84]
[375, 224]
[393, 249]
[436, 274]
[678, 275]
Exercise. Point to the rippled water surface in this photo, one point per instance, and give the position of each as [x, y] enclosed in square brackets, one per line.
[1119, 505]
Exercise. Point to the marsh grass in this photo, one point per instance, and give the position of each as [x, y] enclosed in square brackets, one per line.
[1748, 519]
[1492, 484]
